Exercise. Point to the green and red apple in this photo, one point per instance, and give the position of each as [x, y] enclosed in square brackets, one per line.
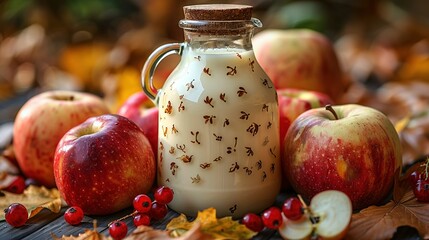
[292, 103]
[40, 124]
[350, 148]
[141, 110]
[103, 163]
[300, 58]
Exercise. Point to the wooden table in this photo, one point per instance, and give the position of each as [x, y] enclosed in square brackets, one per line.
[46, 223]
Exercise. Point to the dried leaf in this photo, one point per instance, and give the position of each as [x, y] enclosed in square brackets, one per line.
[223, 228]
[84, 60]
[148, 233]
[34, 198]
[414, 68]
[402, 124]
[381, 222]
[87, 235]
[145, 232]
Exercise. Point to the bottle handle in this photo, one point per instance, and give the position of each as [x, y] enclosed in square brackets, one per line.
[152, 62]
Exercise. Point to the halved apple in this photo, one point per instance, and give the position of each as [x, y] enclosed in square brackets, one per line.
[300, 229]
[334, 210]
[327, 217]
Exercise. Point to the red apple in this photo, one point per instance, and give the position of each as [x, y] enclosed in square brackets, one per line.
[103, 163]
[293, 102]
[140, 109]
[40, 124]
[300, 58]
[350, 148]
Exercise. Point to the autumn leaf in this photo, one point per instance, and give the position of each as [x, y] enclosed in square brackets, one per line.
[148, 233]
[223, 228]
[34, 198]
[402, 124]
[87, 235]
[85, 61]
[381, 222]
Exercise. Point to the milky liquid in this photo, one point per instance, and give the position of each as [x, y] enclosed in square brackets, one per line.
[218, 134]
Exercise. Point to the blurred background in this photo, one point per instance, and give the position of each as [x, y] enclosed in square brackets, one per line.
[100, 46]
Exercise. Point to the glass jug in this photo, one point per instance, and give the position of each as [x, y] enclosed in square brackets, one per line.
[218, 116]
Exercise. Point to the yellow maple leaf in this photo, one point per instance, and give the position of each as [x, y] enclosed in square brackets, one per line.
[34, 198]
[89, 234]
[223, 228]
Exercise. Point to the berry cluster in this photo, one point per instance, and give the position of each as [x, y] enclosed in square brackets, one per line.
[271, 218]
[419, 181]
[146, 209]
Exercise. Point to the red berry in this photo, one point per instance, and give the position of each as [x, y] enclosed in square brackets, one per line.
[73, 215]
[164, 195]
[158, 210]
[17, 186]
[142, 203]
[421, 190]
[272, 218]
[16, 215]
[414, 176]
[292, 208]
[141, 219]
[253, 222]
[118, 230]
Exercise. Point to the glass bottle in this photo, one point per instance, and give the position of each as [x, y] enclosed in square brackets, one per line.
[218, 116]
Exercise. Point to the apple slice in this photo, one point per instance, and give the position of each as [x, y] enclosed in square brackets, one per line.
[334, 210]
[300, 229]
[327, 217]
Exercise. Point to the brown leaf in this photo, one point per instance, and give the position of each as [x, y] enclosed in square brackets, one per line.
[381, 222]
[87, 235]
[35, 199]
[148, 233]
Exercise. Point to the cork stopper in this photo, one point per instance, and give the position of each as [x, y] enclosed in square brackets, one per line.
[219, 12]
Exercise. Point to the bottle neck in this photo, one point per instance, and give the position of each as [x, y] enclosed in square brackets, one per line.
[233, 35]
[210, 41]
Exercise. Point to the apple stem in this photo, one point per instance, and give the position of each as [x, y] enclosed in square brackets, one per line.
[331, 109]
[302, 201]
[314, 219]
[124, 217]
[94, 224]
